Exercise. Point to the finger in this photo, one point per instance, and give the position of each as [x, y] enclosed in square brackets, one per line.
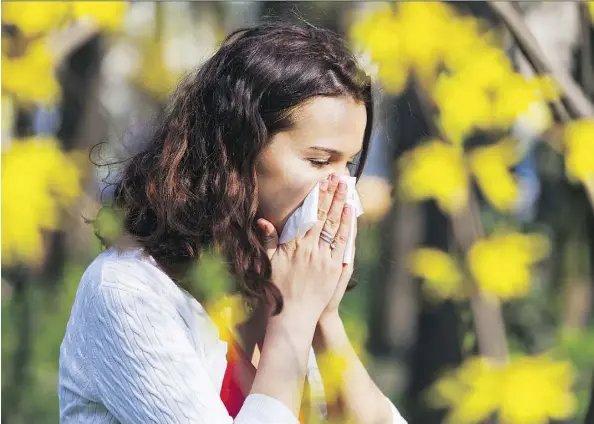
[327, 190]
[269, 236]
[342, 236]
[345, 276]
[333, 220]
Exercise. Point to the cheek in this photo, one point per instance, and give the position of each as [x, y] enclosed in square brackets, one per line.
[283, 185]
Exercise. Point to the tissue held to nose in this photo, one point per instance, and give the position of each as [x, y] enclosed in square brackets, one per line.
[306, 216]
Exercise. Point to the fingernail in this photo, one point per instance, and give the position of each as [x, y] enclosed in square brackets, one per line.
[346, 210]
[324, 185]
[334, 178]
[262, 226]
[342, 187]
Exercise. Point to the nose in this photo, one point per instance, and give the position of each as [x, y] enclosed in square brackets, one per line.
[341, 171]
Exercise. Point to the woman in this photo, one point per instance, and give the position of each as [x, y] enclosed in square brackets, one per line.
[279, 108]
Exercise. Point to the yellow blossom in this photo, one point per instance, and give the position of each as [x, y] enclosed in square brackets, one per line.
[108, 224]
[373, 33]
[489, 70]
[528, 390]
[462, 107]
[210, 277]
[491, 168]
[377, 33]
[465, 34]
[226, 312]
[435, 170]
[470, 391]
[535, 390]
[30, 77]
[537, 119]
[394, 76]
[579, 153]
[376, 197]
[442, 277]
[480, 88]
[37, 181]
[500, 264]
[358, 332]
[332, 367]
[423, 50]
[108, 15]
[7, 120]
[485, 93]
[515, 97]
[35, 17]
[153, 74]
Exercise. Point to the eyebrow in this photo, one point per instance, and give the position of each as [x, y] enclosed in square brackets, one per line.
[332, 151]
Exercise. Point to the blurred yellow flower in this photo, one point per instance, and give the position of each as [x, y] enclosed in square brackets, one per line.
[153, 74]
[7, 119]
[35, 17]
[377, 32]
[491, 167]
[376, 197]
[461, 107]
[535, 390]
[537, 119]
[108, 15]
[591, 10]
[471, 391]
[435, 170]
[394, 76]
[373, 32]
[226, 312]
[579, 153]
[486, 93]
[357, 332]
[478, 90]
[31, 77]
[108, 224]
[38, 179]
[528, 390]
[515, 96]
[423, 50]
[392, 37]
[442, 277]
[500, 264]
[465, 33]
[332, 367]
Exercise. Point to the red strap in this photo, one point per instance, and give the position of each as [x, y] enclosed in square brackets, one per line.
[231, 393]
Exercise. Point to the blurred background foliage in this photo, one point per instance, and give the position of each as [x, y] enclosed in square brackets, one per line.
[475, 252]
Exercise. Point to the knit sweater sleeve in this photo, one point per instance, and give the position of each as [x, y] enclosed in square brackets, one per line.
[146, 370]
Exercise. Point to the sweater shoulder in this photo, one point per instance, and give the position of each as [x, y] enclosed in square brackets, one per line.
[128, 271]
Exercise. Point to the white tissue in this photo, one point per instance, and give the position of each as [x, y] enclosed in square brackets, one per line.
[306, 216]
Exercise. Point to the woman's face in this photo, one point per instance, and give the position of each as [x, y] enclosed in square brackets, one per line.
[326, 136]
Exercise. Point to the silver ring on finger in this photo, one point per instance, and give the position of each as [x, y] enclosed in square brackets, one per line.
[324, 235]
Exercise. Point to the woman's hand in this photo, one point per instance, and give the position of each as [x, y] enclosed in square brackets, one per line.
[309, 274]
[331, 310]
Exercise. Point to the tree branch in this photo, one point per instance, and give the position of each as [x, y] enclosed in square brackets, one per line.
[577, 101]
[587, 73]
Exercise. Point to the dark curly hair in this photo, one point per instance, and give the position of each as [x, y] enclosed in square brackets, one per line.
[194, 187]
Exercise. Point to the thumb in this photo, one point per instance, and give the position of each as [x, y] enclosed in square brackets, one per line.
[269, 236]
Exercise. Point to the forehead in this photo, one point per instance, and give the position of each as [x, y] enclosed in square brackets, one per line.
[332, 122]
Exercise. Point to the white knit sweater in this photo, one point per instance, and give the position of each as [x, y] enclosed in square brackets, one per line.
[138, 349]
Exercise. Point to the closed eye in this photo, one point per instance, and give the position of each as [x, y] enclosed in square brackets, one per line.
[319, 163]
